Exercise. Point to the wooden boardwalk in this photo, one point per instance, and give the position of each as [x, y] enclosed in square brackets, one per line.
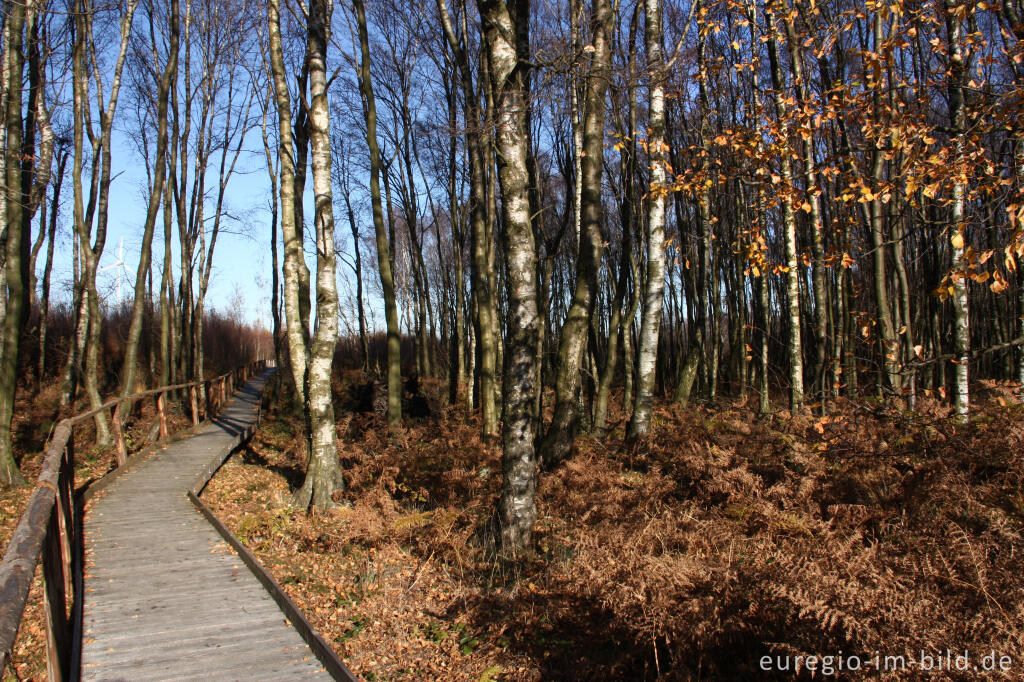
[165, 596]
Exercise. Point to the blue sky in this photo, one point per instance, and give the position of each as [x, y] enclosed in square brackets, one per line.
[242, 257]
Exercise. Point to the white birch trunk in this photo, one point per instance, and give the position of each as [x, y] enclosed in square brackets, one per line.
[650, 326]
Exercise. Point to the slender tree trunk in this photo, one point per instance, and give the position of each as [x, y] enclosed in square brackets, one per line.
[517, 511]
[364, 346]
[796, 362]
[72, 371]
[167, 350]
[650, 325]
[323, 470]
[688, 369]
[384, 247]
[14, 311]
[51, 238]
[298, 333]
[169, 76]
[910, 375]
[958, 68]
[628, 354]
[273, 167]
[764, 399]
[485, 344]
[615, 324]
[557, 443]
[759, 269]
[457, 372]
[99, 194]
[812, 192]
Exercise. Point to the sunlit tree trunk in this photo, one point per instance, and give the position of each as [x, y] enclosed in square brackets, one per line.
[14, 311]
[323, 470]
[796, 362]
[813, 192]
[484, 342]
[958, 68]
[99, 192]
[273, 168]
[517, 511]
[167, 317]
[167, 78]
[36, 172]
[759, 269]
[298, 334]
[457, 355]
[650, 325]
[384, 244]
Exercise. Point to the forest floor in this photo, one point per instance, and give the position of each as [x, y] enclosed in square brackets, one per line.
[868, 534]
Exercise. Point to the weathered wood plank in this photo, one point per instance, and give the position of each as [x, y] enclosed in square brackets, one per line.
[171, 651]
[165, 632]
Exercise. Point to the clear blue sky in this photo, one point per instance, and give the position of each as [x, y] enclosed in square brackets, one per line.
[242, 257]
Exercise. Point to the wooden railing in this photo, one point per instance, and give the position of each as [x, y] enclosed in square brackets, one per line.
[51, 527]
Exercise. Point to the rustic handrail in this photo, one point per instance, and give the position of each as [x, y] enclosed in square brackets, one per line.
[55, 536]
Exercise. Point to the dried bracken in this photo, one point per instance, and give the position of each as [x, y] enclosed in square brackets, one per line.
[870, 532]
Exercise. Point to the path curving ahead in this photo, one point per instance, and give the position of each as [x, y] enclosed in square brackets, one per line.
[165, 596]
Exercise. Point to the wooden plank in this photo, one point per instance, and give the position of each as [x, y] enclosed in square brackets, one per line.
[178, 597]
[172, 651]
[236, 669]
[160, 629]
[163, 633]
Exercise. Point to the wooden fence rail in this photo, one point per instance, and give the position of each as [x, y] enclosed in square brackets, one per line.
[51, 527]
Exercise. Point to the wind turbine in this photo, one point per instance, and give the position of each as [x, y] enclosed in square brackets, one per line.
[122, 271]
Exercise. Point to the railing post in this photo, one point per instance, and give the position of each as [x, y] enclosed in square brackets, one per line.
[66, 512]
[55, 600]
[161, 414]
[122, 451]
[76, 590]
[194, 401]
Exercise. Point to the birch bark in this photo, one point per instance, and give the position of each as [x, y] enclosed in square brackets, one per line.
[650, 325]
[517, 510]
[323, 469]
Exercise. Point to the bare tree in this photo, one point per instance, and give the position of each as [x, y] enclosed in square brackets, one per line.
[323, 470]
[506, 39]
[156, 191]
[385, 245]
[650, 327]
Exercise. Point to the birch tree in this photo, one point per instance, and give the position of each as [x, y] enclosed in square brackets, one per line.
[384, 243]
[323, 470]
[561, 431]
[16, 234]
[156, 191]
[650, 327]
[95, 214]
[506, 39]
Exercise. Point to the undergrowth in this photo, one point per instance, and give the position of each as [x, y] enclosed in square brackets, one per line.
[731, 538]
